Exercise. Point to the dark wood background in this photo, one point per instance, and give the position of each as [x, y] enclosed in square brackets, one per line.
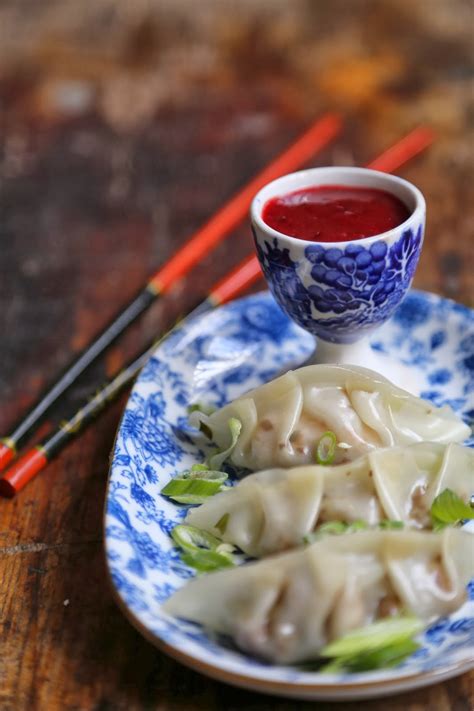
[124, 125]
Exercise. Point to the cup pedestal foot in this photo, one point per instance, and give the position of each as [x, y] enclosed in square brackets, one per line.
[362, 354]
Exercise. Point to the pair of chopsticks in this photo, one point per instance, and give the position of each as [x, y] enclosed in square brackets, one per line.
[202, 242]
[178, 266]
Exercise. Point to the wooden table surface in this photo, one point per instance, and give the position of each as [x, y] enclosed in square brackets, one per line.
[124, 125]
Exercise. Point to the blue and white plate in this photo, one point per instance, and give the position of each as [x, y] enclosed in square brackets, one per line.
[213, 359]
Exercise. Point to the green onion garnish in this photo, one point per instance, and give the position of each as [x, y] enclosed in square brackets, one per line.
[194, 485]
[336, 528]
[192, 539]
[357, 526]
[202, 550]
[377, 659]
[200, 407]
[202, 471]
[388, 525]
[448, 508]
[191, 491]
[326, 449]
[199, 468]
[205, 561]
[217, 460]
[383, 643]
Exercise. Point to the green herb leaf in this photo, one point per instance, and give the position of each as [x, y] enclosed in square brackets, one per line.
[379, 635]
[217, 460]
[326, 449]
[448, 508]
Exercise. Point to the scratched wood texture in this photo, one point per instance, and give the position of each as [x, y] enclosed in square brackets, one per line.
[124, 125]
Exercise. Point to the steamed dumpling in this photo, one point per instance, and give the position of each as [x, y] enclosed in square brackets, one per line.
[287, 607]
[283, 420]
[274, 509]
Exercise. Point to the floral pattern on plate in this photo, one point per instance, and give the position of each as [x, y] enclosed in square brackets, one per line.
[213, 359]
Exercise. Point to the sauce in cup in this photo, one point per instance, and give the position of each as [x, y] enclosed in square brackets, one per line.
[334, 213]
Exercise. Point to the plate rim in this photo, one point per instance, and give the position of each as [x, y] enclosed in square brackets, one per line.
[310, 690]
[324, 691]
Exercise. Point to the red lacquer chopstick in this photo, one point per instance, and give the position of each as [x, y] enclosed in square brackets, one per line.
[404, 150]
[230, 286]
[200, 244]
[38, 457]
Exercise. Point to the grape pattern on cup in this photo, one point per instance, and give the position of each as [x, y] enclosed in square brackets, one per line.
[340, 293]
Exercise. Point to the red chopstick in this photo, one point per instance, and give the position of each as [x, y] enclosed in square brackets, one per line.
[226, 289]
[414, 143]
[205, 239]
[401, 152]
[231, 214]
[37, 458]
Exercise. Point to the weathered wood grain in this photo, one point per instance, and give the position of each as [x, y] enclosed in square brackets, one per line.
[124, 125]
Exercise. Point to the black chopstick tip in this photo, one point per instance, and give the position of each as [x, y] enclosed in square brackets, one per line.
[7, 491]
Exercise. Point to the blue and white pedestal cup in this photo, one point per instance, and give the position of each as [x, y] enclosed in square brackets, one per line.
[341, 292]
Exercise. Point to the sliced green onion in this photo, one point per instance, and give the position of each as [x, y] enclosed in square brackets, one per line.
[448, 508]
[225, 548]
[337, 528]
[202, 550]
[332, 527]
[326, 449]
[191, 491]
[205, 561]
[385, 657]
[195, 485]
[217, 460]
[193, 539]
[382, 658]
[357, 525]
[204, 474]
[200, 407]
[379, 635]
[388, 525]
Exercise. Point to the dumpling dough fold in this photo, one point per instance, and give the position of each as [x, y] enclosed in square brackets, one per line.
[273, 510]
[287, 607]
[283, 420]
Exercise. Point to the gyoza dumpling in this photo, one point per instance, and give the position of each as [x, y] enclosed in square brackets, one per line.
[287, 607]
[273, 510]
[283, 420]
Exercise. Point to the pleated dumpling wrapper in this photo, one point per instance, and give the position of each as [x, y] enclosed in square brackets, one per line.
[282, 421]
[273, 510]
[287, 607]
